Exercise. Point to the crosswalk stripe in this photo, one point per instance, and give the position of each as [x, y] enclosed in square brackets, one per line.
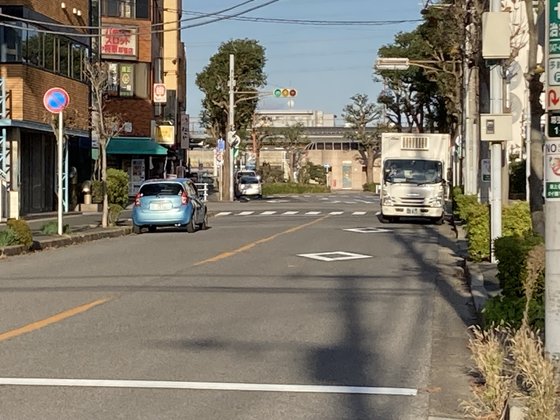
[268, 212]
[291, 212]
[358, 213]
[336, 213]
[245, 213]
[313, 213]
[223, 213]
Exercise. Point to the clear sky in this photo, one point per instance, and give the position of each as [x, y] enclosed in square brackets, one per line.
[326, 64]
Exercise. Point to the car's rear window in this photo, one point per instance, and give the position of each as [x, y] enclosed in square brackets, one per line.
[249, 180]
[164, 188]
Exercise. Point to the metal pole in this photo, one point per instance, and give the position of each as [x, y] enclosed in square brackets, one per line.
[59, 155]
[496, 107]
[231, 121]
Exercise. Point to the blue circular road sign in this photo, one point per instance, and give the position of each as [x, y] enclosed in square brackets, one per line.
[56, 100]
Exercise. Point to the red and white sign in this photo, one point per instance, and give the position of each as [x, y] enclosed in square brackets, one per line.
[119, 41]
[160, 93]
[553, 98]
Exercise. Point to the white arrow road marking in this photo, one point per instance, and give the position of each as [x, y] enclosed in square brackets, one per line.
[212, 386]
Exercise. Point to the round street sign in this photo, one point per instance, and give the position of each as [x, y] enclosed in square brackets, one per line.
[56, 100]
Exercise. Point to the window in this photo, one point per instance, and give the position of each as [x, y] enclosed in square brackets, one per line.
[11, 43]
[128, 80]
[131, 9]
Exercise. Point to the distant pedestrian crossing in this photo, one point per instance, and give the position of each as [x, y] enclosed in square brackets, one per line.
[293, 213]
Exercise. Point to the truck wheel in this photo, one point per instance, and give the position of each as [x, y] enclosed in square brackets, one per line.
[384, 219]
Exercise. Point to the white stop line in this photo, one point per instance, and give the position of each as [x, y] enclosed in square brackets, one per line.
[212, 386]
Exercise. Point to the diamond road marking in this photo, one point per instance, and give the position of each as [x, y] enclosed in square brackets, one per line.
[334, 256]
[312, 213]
[358, 213]
[336, 213]
[245, 213]
[223, 213]
[268, 213]
[291, 212]
[367, 230]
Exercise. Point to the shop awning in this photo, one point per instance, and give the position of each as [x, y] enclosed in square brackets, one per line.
[135, 146]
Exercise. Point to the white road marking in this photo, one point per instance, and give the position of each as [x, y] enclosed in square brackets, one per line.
[212, 386]
[312, 213]
[223, 213]
[358, 213]
[245, 213]
[367, 230]
[336, 213]
[334, 256]
[268, 212]
[291, 212]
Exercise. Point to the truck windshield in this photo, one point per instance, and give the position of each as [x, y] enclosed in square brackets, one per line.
[408, 171]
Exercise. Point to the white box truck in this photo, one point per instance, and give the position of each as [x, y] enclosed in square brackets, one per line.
[414, 171]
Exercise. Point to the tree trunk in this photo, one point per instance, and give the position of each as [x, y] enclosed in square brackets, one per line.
[103, 151]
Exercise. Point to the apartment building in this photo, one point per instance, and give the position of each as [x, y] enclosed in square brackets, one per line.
[141, 41]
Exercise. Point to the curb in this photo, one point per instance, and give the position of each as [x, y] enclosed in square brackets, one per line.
[65, 240]
[476, 281]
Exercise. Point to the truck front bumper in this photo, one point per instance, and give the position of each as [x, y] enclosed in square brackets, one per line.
[402, 211]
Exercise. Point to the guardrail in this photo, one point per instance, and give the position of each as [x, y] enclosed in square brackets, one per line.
[203, 189]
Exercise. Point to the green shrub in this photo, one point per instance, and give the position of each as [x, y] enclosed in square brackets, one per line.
[293, 188]
[117, 187]
[8, 237]
[511, 253]
[51, 228]
[96, 191]
[516, 219]
[478, 231]
[114, 213]
[21, 231]
[271, 174]
[464, 205]
[370, 186]
[311, 173]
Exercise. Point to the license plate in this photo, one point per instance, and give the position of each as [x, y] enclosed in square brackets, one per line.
[163, 205]
[411, 211]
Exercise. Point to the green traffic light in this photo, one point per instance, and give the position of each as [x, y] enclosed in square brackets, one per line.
[277, 92]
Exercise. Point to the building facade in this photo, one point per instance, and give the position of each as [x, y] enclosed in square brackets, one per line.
[42, 45]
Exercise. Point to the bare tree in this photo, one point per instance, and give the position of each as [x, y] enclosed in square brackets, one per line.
[360, 114]
[260, 130]
[106, 125]
[294, 142]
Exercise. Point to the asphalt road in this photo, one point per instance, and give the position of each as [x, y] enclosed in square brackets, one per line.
[278, 311]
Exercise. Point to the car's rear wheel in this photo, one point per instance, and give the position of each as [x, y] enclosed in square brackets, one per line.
[204, 224]
[191, 226]
[136, 229]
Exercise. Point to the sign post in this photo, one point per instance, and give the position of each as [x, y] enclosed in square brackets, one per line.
[552, 183]
[55, 101]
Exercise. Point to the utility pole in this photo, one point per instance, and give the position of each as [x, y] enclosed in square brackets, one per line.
[231, 122]
[552, 186]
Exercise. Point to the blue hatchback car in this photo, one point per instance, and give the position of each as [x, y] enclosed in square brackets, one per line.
[168, 202]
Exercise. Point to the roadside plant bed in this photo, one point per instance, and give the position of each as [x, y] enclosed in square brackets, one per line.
[17, 233]
[293, 188]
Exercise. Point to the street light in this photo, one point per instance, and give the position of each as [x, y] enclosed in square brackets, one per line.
[392, 63]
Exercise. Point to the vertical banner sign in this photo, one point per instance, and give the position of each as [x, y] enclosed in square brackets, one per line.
[552, 144]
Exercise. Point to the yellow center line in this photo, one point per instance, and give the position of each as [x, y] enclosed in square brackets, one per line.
[52, 319]
[260, 241]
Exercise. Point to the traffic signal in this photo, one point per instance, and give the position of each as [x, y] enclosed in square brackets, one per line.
[285, 92]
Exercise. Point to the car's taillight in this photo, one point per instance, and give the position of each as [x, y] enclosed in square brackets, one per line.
[184, 198]
[137, 199]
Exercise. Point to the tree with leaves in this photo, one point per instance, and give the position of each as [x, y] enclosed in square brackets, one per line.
[213, 81]
[360, 115]
[106, 125]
